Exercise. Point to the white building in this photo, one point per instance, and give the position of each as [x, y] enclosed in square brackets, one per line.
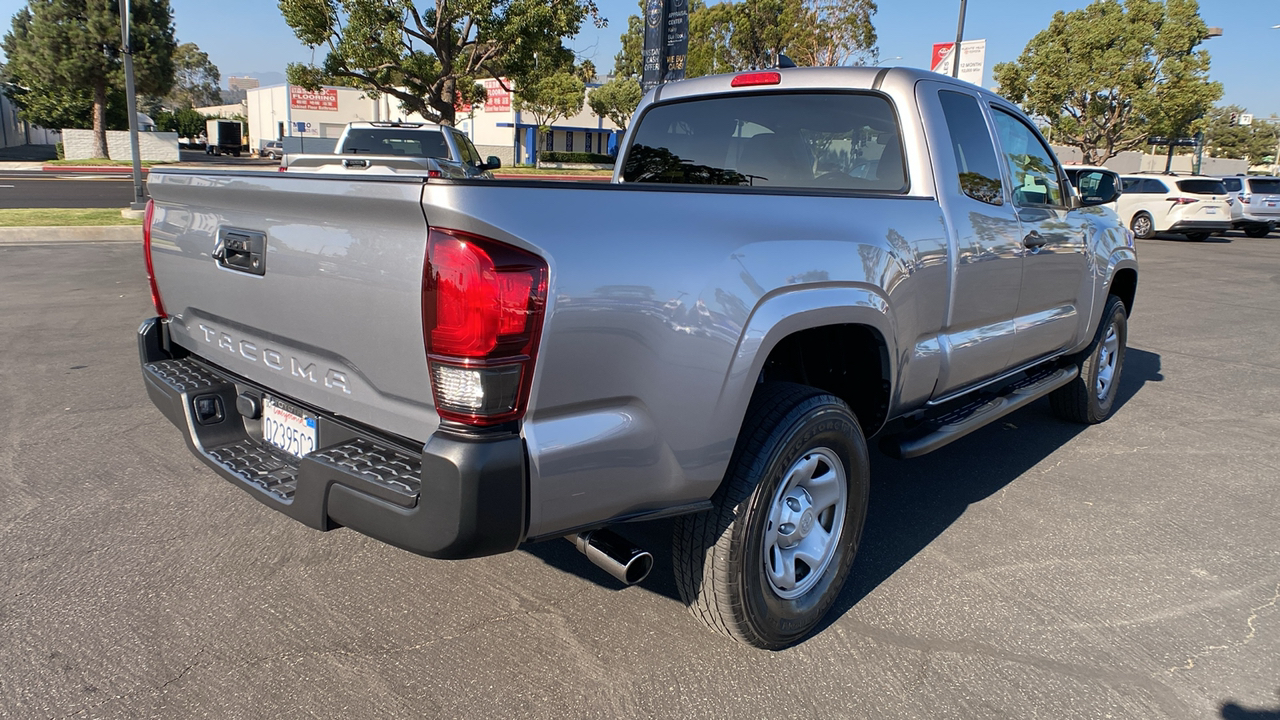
[290, 111]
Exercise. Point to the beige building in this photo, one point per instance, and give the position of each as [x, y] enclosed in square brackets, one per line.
[290, 111]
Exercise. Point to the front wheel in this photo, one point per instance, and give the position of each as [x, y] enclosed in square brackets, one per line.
[1091, 396]
[767, 563]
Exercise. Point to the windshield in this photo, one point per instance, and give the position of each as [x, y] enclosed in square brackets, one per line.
[1265, 186]
[798, 140]
[1202, 187]
[396, 141]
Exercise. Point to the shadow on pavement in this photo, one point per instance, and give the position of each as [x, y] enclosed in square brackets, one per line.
[912, 501]
[1232, 711]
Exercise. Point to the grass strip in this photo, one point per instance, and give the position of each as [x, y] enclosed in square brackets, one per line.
[62, 217]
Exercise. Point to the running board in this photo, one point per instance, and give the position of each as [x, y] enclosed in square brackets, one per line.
[937, 432]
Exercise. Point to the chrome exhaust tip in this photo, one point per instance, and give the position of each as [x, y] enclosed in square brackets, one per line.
[614, 554]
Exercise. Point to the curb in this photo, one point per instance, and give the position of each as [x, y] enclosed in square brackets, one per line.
[115, 169]
[565, 178]
[38, 235]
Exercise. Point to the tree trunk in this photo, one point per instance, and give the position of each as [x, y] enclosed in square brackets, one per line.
[100, 119]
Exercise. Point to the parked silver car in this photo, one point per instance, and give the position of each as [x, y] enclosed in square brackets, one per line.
[1257, 203]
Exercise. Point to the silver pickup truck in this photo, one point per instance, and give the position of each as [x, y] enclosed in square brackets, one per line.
[786, 263]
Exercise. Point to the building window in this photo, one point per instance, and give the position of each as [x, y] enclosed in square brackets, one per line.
[568, 142]
[551, 140]
[587, 145]
[600, 143]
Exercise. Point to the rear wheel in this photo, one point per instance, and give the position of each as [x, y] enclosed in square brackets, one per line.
[1257, 231]
[766, 564]
[1091, 396]
[1198, 237]
[1142, 226]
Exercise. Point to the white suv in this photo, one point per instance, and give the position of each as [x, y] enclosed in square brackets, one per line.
[1257, 203]
[1194, 205]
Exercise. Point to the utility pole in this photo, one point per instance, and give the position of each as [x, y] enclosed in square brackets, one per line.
[139, 195]
[955, 52]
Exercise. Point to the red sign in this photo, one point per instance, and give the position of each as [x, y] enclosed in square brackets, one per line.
[304, 99]
[941, 62]
[499, 100]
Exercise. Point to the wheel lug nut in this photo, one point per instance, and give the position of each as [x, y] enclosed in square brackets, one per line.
[787, 528]
[794, 504]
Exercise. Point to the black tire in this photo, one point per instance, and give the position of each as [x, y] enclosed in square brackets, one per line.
[1083, 400]
[1198, 236]
[1257, 231]
[720, 555]
[1143, 226]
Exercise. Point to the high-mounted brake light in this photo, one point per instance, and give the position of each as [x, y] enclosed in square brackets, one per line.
[146, 252]
[482, 308]
[756, 78]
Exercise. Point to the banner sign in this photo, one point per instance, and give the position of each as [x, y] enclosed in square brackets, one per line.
[651, 77]
[304, 99]
[499, 100]
[973, 55]
[677, 44]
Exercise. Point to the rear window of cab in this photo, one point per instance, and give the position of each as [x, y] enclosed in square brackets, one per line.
[830, 141]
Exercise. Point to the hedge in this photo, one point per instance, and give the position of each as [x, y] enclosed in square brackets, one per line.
[575, 157]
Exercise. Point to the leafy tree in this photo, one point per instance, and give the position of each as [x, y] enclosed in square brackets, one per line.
[429, 58]
[1242, 142]
[616, 100]
[184, 121]
[67, 48]
[550, 98]
[1111, 73]
[733, 36]
[835, 32]
[195, 79]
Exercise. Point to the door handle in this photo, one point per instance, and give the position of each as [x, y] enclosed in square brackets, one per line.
[1034, 240]
[355, 163]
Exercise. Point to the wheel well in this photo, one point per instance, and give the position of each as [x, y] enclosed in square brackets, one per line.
[1125, 286]
[848, 361]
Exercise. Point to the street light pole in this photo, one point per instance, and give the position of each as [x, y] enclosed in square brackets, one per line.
[955, 51]
[139, 202]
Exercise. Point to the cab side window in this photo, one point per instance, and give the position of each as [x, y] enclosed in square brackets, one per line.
[971, 142]
[1036, 180]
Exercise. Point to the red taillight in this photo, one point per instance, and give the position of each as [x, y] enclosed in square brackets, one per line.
[1183, 200]
[482, 308]
[282, 169]
[146, 251]
[1244, 198]
[756, 78]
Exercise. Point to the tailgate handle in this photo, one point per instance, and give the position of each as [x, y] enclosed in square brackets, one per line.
[242, 250]
[355, 163]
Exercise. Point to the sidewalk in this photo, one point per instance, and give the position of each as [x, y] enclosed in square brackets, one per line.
[68, 235]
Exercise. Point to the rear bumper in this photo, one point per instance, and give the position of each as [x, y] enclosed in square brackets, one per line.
[1184, 226]
[1247, 220]
[454, 497]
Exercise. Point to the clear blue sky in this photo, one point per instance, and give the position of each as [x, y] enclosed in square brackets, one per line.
[249, 36]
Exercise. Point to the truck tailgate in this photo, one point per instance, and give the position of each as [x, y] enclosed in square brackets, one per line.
[333, 318]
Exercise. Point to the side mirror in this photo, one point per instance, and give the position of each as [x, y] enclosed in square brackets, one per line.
[493, 162]
[1097, 187]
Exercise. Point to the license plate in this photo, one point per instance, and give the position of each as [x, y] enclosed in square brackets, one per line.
[287, 427]
[1211, 211]
[1271, 203]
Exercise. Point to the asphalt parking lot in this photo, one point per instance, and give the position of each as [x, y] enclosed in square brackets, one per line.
[1033, 570]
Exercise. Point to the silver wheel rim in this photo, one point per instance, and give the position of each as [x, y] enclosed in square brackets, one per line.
[1141, 225]
[806, 519]
[1107, 362]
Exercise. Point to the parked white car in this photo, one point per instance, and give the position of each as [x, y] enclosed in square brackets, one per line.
[1256, 206]
[1194, 205]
